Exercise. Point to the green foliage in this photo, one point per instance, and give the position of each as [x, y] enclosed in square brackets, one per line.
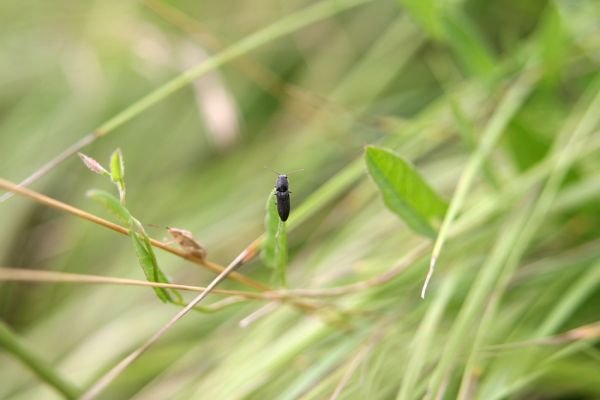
[117, 172]
[141, 241]
[274, 251]
[147, 260]
[495, 102]
[112, 204]
[404, 191]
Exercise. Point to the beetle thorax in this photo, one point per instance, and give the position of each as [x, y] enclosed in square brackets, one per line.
[282, 183]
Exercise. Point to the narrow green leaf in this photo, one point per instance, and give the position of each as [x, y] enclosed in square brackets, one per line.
[404, 191]
[117, 172]
[281, 253]
[147, 260]
[271, 225]
[117, 166]
[112, 204]
[274, 250]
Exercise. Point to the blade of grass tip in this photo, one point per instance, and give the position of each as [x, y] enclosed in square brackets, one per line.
[110, 376]
[281, 27]
[509, 105]
[45, 371]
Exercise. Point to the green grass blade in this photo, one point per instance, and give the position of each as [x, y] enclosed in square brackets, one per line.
[282, 27]
[422, 341]
[281, 253]
[10, 342]
[269, 243]
[509, 105]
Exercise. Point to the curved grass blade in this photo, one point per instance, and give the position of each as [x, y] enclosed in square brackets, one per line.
[510, 104]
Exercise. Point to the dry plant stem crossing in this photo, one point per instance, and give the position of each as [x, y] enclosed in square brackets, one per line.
[99, 386]
[40, 198]
[251, 250]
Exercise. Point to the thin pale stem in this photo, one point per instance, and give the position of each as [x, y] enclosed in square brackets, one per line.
[29, 275]
[50, 165]
[101, 384]
[378, 280]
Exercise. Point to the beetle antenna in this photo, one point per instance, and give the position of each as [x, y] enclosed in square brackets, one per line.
[273, 171]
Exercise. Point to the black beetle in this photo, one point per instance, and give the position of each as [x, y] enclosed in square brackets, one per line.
[282, 194]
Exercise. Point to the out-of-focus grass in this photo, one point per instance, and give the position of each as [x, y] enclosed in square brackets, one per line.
[424, 78]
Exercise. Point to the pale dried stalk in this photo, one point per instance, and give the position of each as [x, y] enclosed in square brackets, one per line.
[40, 198]
[101, 384]
[29, 275]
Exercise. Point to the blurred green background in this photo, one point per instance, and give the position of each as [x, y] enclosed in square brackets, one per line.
[428, 79]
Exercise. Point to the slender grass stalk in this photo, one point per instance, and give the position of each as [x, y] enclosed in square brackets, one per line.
[507, 108]
[281, 27]
[422, 340]
[45, 371]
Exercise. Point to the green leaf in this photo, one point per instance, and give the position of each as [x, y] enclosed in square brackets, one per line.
[141, 242]
[112, 204]
[274, 250]
[281, 253]
[117, 166]
[271, 226]
[147, 260]
[117, 172]
[404, 191]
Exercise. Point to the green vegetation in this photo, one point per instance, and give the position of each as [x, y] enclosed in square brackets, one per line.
[445, 230]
